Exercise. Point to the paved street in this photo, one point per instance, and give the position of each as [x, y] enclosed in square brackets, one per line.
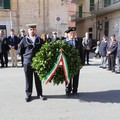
[99, 97]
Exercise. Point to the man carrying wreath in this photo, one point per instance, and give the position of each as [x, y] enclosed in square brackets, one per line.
[77, 43]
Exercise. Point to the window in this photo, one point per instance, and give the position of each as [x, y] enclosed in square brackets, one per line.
[1, 3]
[4, 4]
[90, 29]
[92, 5]
[106, 28]
[80, 11]
[115, 1]
[107, 3]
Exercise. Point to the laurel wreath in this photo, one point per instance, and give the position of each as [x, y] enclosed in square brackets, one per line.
[45, 59]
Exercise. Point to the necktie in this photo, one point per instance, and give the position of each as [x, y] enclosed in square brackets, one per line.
[72, 42]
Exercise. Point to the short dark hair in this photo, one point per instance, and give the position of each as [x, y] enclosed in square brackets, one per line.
[12, 30]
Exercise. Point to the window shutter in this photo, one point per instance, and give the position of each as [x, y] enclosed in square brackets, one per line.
[107, 3]
[80, 11]
[6, 4]
[92, 5]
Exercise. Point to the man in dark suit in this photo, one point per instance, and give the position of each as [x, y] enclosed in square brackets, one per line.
[73, 40]
[111, 53]
[87, 44]
[13, 44]
[21, 49]
[4, 49]
[32, 43]
[54, 36]
[65, 36]
[103, 51]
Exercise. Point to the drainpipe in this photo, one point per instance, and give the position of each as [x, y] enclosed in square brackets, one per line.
[18, 16]
[11, 22]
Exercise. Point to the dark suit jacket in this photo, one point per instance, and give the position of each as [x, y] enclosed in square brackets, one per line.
[54, 39]
[112, 47]
[5, 46]
[118, 49]
[87, 43]
[13, 41]
[103, 48]
[79, 47]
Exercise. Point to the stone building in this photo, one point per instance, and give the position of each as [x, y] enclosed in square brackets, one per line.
[49, 15]
[98, 17]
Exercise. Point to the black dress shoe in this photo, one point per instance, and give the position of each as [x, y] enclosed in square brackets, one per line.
[113, 70]
[41, 97]
[28, 99]
[104, 67]
[108, 69]
[68, 94]
[75, 95]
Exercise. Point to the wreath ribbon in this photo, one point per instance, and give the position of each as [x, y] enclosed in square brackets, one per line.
[60, 59]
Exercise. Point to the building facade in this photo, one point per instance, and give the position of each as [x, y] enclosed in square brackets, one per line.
[49, 15]
[98, 17]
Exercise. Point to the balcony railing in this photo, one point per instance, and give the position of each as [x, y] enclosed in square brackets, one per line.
[104, 7]
[78, 16]
[103, 4]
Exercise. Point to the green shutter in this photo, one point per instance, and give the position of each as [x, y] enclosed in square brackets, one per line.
[6, 4]
[91, 5]
[80, 11]
[107, 3]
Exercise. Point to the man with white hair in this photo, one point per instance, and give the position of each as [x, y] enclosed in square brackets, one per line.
[54, 36]
[87, 44]
[21, 49]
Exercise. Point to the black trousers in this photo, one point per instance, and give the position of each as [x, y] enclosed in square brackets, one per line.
[29, 81]
[1, 60]
[73, 85]
[111, 62]
[86, 54]
[5, 56]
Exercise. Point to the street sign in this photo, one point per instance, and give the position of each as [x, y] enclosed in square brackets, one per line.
[58, 18]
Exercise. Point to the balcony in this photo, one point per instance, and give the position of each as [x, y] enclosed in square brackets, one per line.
[103, 7]
[80, 17]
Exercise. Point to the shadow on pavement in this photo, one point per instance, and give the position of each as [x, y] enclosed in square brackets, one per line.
[112, 96]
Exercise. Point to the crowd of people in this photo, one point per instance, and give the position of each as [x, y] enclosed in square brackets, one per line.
[9, 46]
[27, 45]
[109, 52]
